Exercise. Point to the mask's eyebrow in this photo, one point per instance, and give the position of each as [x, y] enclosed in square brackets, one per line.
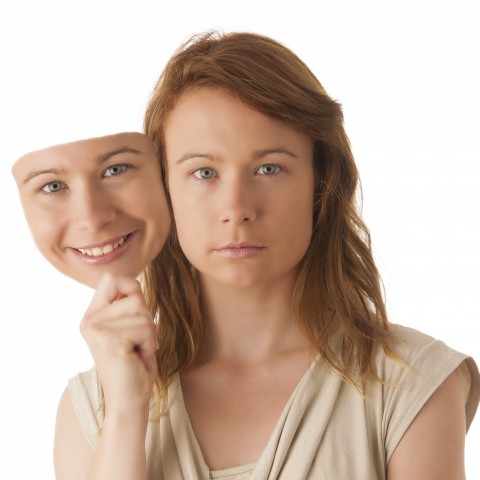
[108, 155]
[100, 159]
[36, 173]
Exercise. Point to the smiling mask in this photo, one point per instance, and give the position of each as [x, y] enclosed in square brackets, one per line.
[94, 205]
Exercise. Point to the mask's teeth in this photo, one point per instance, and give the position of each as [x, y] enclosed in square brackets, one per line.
[108, 249]
[98, 251]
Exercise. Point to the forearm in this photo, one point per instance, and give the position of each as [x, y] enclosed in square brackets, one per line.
[121, 451]
[120, 334]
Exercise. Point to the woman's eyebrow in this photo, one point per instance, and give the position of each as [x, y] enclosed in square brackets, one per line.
[190, 155]
[257, 154]
[269, 151]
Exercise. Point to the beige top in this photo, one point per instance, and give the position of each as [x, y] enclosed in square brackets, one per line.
[327, 429]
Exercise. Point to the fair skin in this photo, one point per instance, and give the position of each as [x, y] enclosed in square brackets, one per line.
[97, 211]
[243, 209]
[241, 187]
[253, 345]
[86, 206]
[121, 337]
[433, 446]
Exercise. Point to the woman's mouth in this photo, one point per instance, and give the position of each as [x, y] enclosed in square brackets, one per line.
[240, 250]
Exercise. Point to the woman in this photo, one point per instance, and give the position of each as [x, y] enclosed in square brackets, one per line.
[275, 355]
[97, 211]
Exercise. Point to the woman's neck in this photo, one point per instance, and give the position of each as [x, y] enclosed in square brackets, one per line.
[249, 325]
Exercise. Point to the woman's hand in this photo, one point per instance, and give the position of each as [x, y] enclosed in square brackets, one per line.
[120, 334]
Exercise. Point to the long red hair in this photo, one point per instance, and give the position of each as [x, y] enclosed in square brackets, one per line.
[338, 284]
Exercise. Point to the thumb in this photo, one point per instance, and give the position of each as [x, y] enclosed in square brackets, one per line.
[112, 288]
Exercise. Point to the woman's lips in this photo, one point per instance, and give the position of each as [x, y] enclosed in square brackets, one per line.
[240, 250]
[103, 253]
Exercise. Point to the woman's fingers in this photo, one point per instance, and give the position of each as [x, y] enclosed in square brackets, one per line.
[115, 298]
[112, 288]
[121, 336]
[125, 336]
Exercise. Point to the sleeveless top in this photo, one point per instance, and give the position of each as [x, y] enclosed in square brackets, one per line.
[327, 429]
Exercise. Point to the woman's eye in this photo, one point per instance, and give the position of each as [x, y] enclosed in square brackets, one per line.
[53, 187]
[115, 170]
[204, 173]
[268, 169]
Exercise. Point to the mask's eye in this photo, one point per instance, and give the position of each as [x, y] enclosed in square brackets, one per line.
[53, 187]
[204, 173]
[268, 169]
[115, 170]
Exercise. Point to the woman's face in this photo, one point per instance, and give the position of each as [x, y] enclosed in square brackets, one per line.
[95, 205]
[241, 185]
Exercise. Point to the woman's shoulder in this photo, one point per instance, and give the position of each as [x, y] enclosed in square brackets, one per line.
[420, 351]
[84, 387]
[86, 396]
[410, 337]
[421, 365]
[86, 378]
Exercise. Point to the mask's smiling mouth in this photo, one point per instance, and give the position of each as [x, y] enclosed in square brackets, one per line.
[104, 249]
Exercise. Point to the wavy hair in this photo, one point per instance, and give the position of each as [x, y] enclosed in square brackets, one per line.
[338, 284]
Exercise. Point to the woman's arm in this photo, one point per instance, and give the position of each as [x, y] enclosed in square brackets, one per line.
[433, 446]
[120, 455]
[72, 454]
[120, 334]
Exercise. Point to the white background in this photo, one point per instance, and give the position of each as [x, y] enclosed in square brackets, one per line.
[407, 76]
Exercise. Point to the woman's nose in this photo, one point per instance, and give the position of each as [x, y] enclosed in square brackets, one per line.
[237, 202]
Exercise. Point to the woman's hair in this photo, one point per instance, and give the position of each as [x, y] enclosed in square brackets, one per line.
[338, 284]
